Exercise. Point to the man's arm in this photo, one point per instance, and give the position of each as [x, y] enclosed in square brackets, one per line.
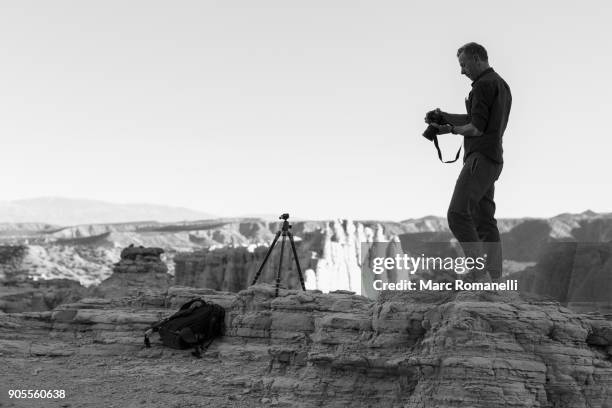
[455, 119]
[468, 130]
[460, 125]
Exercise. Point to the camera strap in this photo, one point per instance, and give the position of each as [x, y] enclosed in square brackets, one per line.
[435, 140]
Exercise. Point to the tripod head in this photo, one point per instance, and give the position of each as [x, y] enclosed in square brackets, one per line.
[286, 224]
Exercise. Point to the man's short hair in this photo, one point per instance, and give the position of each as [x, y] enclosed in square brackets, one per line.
[472, 49]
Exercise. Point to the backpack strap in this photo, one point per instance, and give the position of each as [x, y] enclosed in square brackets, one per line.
[147, 342]
[199, 349]
[155, 326]
[192, 301]
[435, 140]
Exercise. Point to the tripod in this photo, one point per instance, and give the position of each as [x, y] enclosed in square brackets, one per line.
[285, 231]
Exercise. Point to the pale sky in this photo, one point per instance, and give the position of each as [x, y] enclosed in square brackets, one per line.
[310, 107]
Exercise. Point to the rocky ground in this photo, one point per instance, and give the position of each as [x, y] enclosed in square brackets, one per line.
[308, 349]
[104, 377]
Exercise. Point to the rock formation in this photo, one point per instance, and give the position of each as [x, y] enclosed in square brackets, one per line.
[577, 274]
[233, 268]
[87, 264]
[41, 295]
[524, 242]
[337, 252]
[308, 349]
[330, 257]
[11, 258]
[19, 292]
[330, 253]
[139, 268]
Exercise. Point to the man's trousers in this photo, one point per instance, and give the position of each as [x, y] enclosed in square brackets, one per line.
[471, 214]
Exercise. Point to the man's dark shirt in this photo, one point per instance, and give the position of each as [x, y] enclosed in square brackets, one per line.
[488, 109]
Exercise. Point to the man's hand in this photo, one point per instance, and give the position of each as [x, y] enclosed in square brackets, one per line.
[442, 129]
[431, 113]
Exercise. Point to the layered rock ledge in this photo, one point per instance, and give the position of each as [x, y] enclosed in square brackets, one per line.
[307, 349]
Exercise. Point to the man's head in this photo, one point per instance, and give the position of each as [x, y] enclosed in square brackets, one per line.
[473, 59]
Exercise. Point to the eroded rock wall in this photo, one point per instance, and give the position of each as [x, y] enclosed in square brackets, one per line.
[11, 258]
[39, 295]
[329, 256]
[233, 268]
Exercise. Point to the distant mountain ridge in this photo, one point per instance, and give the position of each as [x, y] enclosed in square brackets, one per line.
[69, 211]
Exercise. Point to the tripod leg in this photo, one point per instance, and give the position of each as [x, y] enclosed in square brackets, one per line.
[280, 265]
[297, 262]
[266, 258]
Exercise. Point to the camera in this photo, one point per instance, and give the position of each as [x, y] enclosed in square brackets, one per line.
[436, 117]
[284, 217]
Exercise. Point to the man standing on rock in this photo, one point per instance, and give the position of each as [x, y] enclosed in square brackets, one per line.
[471, 214]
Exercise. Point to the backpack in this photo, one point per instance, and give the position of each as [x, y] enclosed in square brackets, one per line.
[196, 322]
